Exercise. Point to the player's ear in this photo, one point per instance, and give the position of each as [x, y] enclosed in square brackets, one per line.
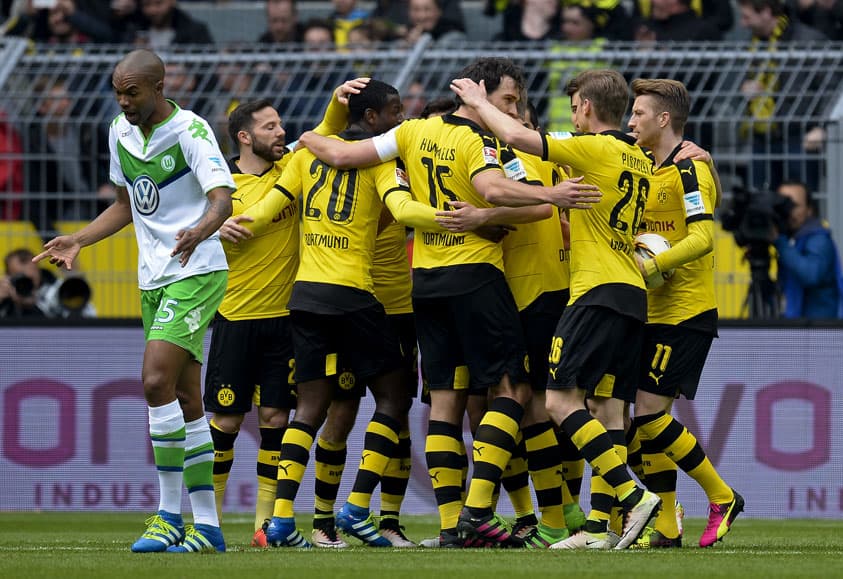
[244, 137]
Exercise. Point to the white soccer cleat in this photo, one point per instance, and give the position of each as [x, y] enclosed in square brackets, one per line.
[585, 540]
[638, 518]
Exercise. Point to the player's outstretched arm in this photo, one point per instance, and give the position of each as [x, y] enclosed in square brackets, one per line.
[503, 126]
[466, 217]
[569, 194]
[341, 154]
[62, 250]
[218, 211]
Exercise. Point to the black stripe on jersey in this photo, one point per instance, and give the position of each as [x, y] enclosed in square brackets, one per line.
[688, 174]
[393, 190]
[620, 136]
[452, 119]
[545, 137]
[700, 217]
[284, 192]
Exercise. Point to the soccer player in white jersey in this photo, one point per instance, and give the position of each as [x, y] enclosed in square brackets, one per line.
[174, 185]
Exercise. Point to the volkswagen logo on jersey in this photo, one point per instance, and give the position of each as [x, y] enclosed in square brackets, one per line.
[145, 192]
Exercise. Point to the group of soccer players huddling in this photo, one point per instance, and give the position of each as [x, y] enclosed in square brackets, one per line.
[526, 301]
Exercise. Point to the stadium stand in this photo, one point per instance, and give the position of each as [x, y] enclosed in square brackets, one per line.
[809, 95]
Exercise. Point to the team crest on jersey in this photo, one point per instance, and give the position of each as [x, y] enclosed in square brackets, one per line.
[662, 196]
[146, 195]
[346, 380]
[401, 177]
[168, 163]
[490, 155]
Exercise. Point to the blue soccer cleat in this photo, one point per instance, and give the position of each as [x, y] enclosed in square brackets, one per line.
[282, 532]
[358, 523]
[200, 539]
[163, 530]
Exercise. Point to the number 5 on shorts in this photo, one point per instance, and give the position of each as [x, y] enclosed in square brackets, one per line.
[166, 311]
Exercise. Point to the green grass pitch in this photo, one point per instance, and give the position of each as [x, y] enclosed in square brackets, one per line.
[96, 545]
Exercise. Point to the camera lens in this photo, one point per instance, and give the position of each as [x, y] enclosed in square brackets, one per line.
[23, 284]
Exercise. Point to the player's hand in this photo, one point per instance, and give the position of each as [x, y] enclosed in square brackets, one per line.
[62, 251]
[470, 92]
[232, 231]
[691, 150]
[186, 242]
[494, 233]
[350, 87]
[462, 217]
[574, 194]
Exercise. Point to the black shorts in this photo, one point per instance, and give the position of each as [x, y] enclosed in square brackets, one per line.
[404, 327]
[539, 321]
[672, 360]
[479, 331]
[598, 350]
[361, 342]
[249, 360]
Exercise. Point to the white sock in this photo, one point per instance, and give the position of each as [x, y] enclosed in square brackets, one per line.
[199, 472]
[167, 431]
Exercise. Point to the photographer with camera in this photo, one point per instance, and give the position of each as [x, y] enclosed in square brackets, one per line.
[808, 261]
[27, 291]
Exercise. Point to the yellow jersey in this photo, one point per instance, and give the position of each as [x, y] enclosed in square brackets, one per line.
[682, 194]
[261, 270]
[534, 256]
[603, 268]
[442, 155]
[391, 270]
[340, 210]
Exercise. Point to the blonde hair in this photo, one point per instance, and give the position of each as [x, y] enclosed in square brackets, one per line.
[670, 96]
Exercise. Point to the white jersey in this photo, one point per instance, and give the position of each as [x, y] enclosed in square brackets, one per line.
[168, 176]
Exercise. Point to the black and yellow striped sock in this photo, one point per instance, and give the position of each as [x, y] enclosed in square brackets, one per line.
[269, 452]
[295, 452]
[329, 462]
[672, 438]
[661, 473]
[573, 465]
[545, 466]
[223, 461]
[633, 453]
[445, 454]
[493, 444]
[396, 477]
[378, 446]
[516, 480]
[619, 442]
[596, 447]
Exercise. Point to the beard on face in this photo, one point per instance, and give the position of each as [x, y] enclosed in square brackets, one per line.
[265, 150]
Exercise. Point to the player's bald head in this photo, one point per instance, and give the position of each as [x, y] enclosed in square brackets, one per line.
[143, 63]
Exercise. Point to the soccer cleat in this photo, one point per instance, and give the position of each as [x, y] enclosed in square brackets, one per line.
[394, 533]
[485, 531]
[325, 536]
[358, 523]
[537, 536]
[574, 517]
[585, 540]
[680, 518]
[653, 539]
[282, 532]
[259, 539]
[200, 539]
[445, 540]
[638, 518]
[162, 530]
[720, 519]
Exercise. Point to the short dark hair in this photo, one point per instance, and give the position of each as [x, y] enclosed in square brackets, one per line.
[810, 202]
[20, 254]
[491, 70]
[606, 89]
[440, 106]
[374, 96]
[241, 118]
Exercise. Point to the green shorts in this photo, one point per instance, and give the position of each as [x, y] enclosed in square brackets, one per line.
[180, 312]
